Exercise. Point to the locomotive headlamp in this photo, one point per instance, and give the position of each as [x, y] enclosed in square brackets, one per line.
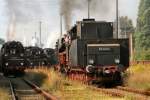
[6, 64]
[117, 61]
[21, 54]
[31, 63]
[22, 64]
[43, 63]
[91, 61]
[6, 55]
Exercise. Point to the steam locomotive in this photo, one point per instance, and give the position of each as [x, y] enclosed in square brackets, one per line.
[35, 56]
[15, 58]
[90, 53]
[12, 57]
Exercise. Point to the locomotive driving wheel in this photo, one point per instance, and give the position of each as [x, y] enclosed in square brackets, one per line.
[117, 78]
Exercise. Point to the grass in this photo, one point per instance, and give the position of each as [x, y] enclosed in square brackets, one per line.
[3, 94]
[36, 77]
[55, 83]
[129, 97]
[77, 91]
[65, 89]
[138, 77]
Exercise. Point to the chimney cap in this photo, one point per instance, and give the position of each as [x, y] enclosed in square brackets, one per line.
[91, 19]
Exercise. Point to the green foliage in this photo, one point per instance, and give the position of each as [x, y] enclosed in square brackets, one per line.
[1, 41]
[142, 55]
[142, 35]
[126, 25]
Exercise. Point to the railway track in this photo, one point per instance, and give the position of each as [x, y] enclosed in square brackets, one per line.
[142, 62]
[137, 91]
[12, 91]
[6, 85]
[120, 91]
[22, 89]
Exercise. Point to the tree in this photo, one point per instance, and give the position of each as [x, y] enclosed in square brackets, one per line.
[142, 35]
[1, 41]
[126, 25]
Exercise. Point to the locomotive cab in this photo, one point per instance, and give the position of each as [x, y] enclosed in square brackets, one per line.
[89, 29]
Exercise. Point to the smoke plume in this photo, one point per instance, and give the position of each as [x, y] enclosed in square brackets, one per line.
[21, 12]
[11, 28]
[100, 8]
[66, 11]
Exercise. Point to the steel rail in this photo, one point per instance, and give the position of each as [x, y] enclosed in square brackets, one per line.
[120, 93]
[12, 91]
[48, 96]
[137, 91]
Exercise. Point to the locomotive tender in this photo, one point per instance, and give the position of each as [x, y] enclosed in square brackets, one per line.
[92, 54]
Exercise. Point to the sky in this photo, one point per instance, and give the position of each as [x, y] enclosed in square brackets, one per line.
[31, 12]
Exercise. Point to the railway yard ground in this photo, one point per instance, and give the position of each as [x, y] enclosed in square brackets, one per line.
[23, 91]
[136, 86]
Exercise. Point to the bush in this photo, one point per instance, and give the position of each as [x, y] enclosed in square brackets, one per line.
[142, 55]
[138, 77]
[54, 81]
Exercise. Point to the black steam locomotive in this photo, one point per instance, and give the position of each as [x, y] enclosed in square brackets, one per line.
[12, 57]
[15, 58]
[35, 56]
[92, 54]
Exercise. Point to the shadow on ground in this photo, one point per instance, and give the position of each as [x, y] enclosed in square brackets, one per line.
[36, 77]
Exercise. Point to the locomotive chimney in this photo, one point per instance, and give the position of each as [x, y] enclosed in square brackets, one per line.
[40, 23]
[61, 26]
[117, 19]
[89, 9]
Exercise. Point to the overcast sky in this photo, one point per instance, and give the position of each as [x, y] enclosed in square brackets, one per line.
[49, 15]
